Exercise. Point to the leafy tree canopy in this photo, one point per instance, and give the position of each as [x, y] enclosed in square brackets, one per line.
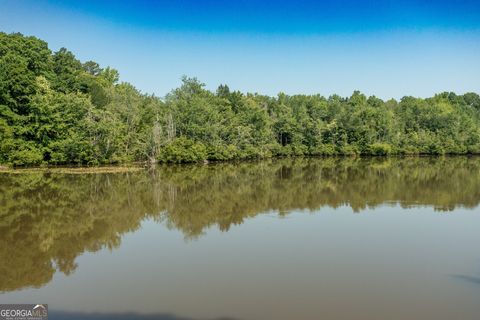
[54, 109]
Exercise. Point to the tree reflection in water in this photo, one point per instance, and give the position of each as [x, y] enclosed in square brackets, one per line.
[48, 219]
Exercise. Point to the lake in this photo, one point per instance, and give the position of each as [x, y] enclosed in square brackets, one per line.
[332, 238]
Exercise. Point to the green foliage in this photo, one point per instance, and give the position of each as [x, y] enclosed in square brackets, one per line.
[349, 150]
[24, 154]
[323, 150]
[183, 150]
[380, 149]
[54, 109]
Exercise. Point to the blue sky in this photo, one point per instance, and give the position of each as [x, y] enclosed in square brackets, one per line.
[385, 48]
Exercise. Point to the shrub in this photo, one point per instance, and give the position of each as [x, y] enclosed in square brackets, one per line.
[474, 149]
[379, 149]
[323, 150]
[299, 149]
[222, 152]
[349, 150]
[25, 154]
[183, 150]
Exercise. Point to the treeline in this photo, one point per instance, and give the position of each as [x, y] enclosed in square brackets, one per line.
[55, 109]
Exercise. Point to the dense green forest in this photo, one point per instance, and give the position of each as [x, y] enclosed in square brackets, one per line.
[54, 109]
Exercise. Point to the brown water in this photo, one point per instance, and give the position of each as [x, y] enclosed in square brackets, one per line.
[287, 239]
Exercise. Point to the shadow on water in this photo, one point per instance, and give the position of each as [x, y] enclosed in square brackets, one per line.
[48, 219]
[66, 315]
[465, 278]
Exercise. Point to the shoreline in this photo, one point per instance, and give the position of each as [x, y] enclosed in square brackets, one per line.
[138, 166]
[73, 170]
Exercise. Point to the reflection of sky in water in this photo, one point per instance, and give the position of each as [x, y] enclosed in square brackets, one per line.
[332, 262]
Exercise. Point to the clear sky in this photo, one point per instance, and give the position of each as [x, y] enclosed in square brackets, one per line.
[386, 48]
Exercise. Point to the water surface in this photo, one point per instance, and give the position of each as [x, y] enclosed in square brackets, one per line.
[284, 239]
